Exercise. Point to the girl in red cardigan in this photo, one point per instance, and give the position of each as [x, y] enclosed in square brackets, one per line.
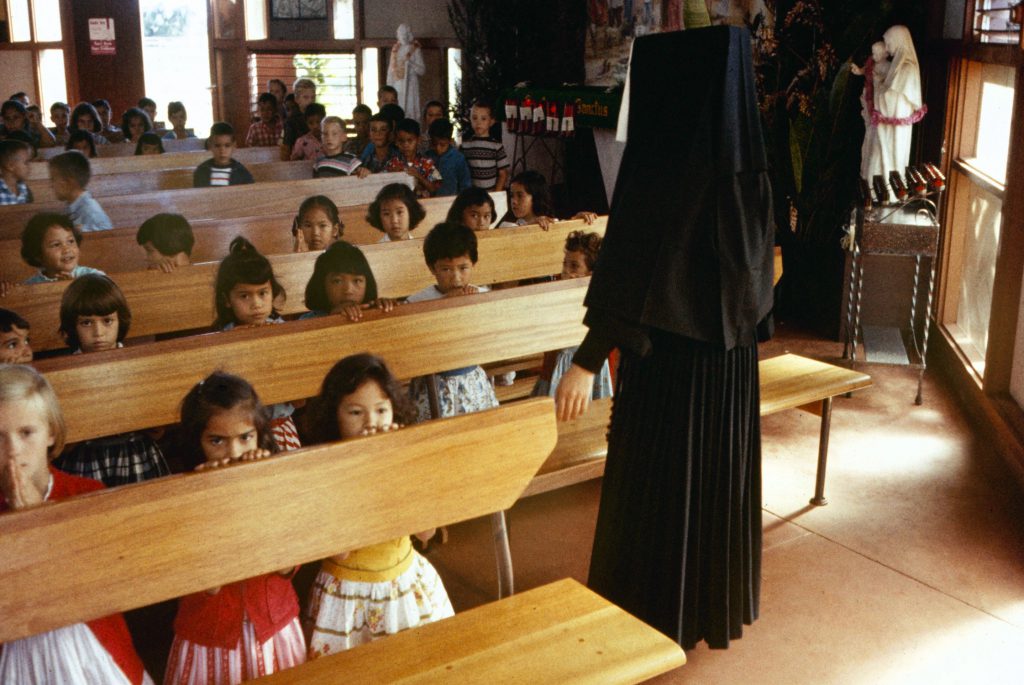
[31, 436]
[249, 628]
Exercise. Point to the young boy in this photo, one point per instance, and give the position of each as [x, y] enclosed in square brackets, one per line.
[148, 105]
[361, 123]
[407, 140]
[221, 169]
[295, 127]
[334, 161]
[14, 156]
[167, 240]
[60, 114]
[433, 111]
[15, 118]
[378, 154]
[450, 251]
[15, 347]
[387, 95]
[484, 153]
[109, 131]
[455, 176]
[308, 146]
[267, 131]
[178, 116]
[69, 175]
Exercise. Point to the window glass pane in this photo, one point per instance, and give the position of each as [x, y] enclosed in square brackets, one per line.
[17, 20]
[454, 74]
[988, 111]
[344, 20]
[176, 59]
[993, 21]
[371, 80]
[335, 78]
[52, 79]
[255, 19]
[47, 19]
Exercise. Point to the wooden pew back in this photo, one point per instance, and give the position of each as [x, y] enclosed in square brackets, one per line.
[183, 300]
[38, 170]
[154, 541]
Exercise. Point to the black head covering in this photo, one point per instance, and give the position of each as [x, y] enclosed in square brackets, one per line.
[688, 247]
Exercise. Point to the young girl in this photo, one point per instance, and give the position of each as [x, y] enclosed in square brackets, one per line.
[529, 201]
[82, 141]
[309, 146]
[367, 593]
[15, 345]
[396, 212]
[85, 118]
[94, 317]
[580, 256]
[50, 242]
[317, 224]
[135, 122]
[31, 434]
[149, 144]
[342, 283]
[245, 292]
[250, 628]
[473, 208]
[178, 117]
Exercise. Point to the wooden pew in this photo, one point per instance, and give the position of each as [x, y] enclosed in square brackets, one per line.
[183, 300]
[222, 526]
[118, 252]
[171, 160]
[210, 203]
[119, 150]
[110, 185]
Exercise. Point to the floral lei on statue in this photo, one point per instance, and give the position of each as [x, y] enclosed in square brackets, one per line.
[869, 101]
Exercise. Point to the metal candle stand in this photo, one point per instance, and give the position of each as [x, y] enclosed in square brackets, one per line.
[908, 228]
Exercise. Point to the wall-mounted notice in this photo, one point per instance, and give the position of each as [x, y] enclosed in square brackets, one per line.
[101, 36]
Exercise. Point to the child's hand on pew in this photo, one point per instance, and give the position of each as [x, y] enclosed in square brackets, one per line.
[545, 222]
[573, 395]
[462, 290]
[362, 172]
[353, 312]
[6, 286]
[164, 264]
[16, 486]
[373, 430]
[299, 244]
[385, 304]
[251, 455]
[588, 217]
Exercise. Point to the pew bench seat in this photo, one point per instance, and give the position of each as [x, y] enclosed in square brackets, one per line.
[557, 633]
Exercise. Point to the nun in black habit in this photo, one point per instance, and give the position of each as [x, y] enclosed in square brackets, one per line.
[683, 287]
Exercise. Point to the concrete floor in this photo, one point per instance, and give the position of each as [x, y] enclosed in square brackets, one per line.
[913, 573]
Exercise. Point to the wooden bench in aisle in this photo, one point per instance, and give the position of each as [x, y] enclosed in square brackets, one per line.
[183, 300]
[144, 543]
[38, 169]
[128, 211]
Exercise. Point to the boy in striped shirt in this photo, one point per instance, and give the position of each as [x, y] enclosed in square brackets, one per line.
[221, 169]
[485, 154]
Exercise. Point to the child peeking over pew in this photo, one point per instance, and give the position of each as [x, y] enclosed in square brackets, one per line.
[450, 251]
[580, 256]
[317, 225]
[94, 317]
[249, 628]
[15, 346]
[473, 208]
[244, 296]
[368, 593]
[167, 240]
[31, 435]
[395, 212]
[343, 283]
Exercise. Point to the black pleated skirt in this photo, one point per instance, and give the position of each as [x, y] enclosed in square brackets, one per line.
[678, 540]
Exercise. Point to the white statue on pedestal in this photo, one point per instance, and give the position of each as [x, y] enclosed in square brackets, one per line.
[404, 71]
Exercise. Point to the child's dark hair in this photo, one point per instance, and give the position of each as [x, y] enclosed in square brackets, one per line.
[101, 103]
[146, 102]
[344, 378]
[175, 107]
[319, 202]
[536, 187]
[169, 234]
[433, 103]
[135, 113]
[339, 258]
[361, 109]
[441, 129]
[222, 128]
[35, 231]
[149, 138]
[393, 113]
[92, 295]
[469, 197]
[409, 126]
[380, 117]
[80, 135]
[396, 191]
[484, 104]
[10, 320]
[267, 97]
[244, 264]
[9, 148]
[72, 165]
[587, 243]
[60, 105]
[83, 108]
[219, 392]
[449, 241]
[315, 109]
[388, 89]
[12, 104]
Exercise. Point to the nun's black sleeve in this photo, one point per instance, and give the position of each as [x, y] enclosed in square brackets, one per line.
[606, 332]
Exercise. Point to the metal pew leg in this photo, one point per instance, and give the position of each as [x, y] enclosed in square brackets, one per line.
[819, 484]
[502, 554]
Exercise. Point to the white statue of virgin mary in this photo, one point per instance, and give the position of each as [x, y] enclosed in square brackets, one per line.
[404, 70]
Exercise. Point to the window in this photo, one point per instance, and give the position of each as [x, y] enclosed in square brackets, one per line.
[334, 74]
[344, 20]
[996, 21]
[38, 69]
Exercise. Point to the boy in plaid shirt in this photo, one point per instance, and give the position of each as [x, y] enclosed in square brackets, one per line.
[14, 156]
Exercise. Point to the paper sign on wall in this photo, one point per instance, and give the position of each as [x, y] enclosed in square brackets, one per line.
[101, 36]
